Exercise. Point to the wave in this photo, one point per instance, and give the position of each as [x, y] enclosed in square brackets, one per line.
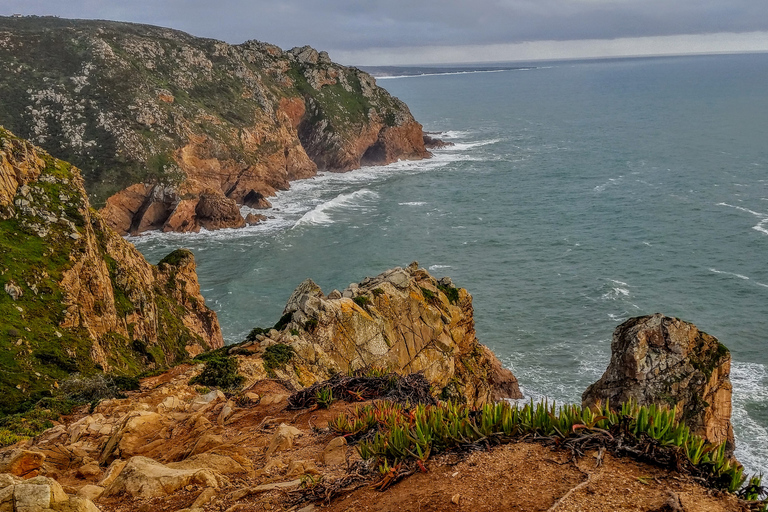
[761, 226]
[320, 213]
[463, 146]
[391, 77]
[750, 387]
[438, 267]
[413, 203]
[738, 276]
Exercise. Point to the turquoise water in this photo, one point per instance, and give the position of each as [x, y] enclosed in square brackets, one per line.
[576, 195]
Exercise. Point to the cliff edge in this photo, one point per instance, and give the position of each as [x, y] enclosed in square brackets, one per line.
[157, 119]
[75, 296]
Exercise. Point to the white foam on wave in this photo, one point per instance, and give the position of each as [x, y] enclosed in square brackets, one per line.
[320, 214]
[738, 276]
[471, 72]
[611, 181]
[438, 267]
[761, 226]
[463, 146]
[413, 203]
[750, 386]
[454, 134]
[290, 206]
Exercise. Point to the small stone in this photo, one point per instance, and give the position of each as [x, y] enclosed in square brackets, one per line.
[335, 453]
[13, 290]
[456, 499]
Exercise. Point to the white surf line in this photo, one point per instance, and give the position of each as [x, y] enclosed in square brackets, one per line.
[761, 226]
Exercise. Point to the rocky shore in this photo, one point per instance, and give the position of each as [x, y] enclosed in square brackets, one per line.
[175, 133]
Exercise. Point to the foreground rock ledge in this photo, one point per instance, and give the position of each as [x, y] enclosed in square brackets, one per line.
[663, 360]
[403, 320]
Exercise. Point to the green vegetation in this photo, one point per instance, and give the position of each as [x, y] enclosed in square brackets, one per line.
[324, 397]
[450, 292]
[256, 331]
[219, 372]
[429, 295]
[277, 356]
[284, 320]
[394, 433]
[362, 301]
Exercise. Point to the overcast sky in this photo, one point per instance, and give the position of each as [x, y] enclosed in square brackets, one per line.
[442, 31]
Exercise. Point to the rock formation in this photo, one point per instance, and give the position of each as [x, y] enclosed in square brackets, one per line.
[403, 320]
[77, 296]
[157, 118]
[666, 361]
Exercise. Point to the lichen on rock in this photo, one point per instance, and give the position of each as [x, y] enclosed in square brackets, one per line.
[403, 320]
[667, 361]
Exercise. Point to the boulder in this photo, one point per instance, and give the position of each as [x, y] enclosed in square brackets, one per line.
[145, 478]
[23, 463]
[666, 361]
[254, 218]
[256, 200]
[216, 211]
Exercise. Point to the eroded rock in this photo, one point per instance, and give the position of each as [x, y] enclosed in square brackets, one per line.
[666, 361]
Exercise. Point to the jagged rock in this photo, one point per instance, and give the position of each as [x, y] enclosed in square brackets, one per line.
[664, 360]
[254, 218]
[145, 478]
[23, 463]
[402, 320]
[90, 492]
[40, 494]
[256, 200]
[216, 211]
[282, 439]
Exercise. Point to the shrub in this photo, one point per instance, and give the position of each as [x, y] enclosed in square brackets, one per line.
[96, 388]
[277, 356]
[220, 372]
[310, 325]
[256, 331]
[450, 292]
[284, 320]
[362, 301]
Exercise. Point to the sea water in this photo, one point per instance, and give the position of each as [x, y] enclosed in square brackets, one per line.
[576, 195]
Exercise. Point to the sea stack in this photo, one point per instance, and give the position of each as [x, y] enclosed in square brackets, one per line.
[666, 361]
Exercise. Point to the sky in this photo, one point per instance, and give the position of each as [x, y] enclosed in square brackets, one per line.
[400, 32]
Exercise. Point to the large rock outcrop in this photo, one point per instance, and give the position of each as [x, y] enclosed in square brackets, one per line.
[155, 117]
[77, 296]
[666, 361]
[403, 320]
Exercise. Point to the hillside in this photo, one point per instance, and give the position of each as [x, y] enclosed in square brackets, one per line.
[75, 296]
[156, 118]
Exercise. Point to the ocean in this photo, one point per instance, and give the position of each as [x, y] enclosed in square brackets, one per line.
[576, 195]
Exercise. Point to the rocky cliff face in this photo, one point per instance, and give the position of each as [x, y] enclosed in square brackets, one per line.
[155, 117]
[77, 297]
[403, 320]
[663, 360]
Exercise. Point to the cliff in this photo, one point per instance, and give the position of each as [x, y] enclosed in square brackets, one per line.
[77, 297]
[402, 321]
[155, 118]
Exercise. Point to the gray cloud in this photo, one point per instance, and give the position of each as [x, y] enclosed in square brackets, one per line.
[362, 25]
